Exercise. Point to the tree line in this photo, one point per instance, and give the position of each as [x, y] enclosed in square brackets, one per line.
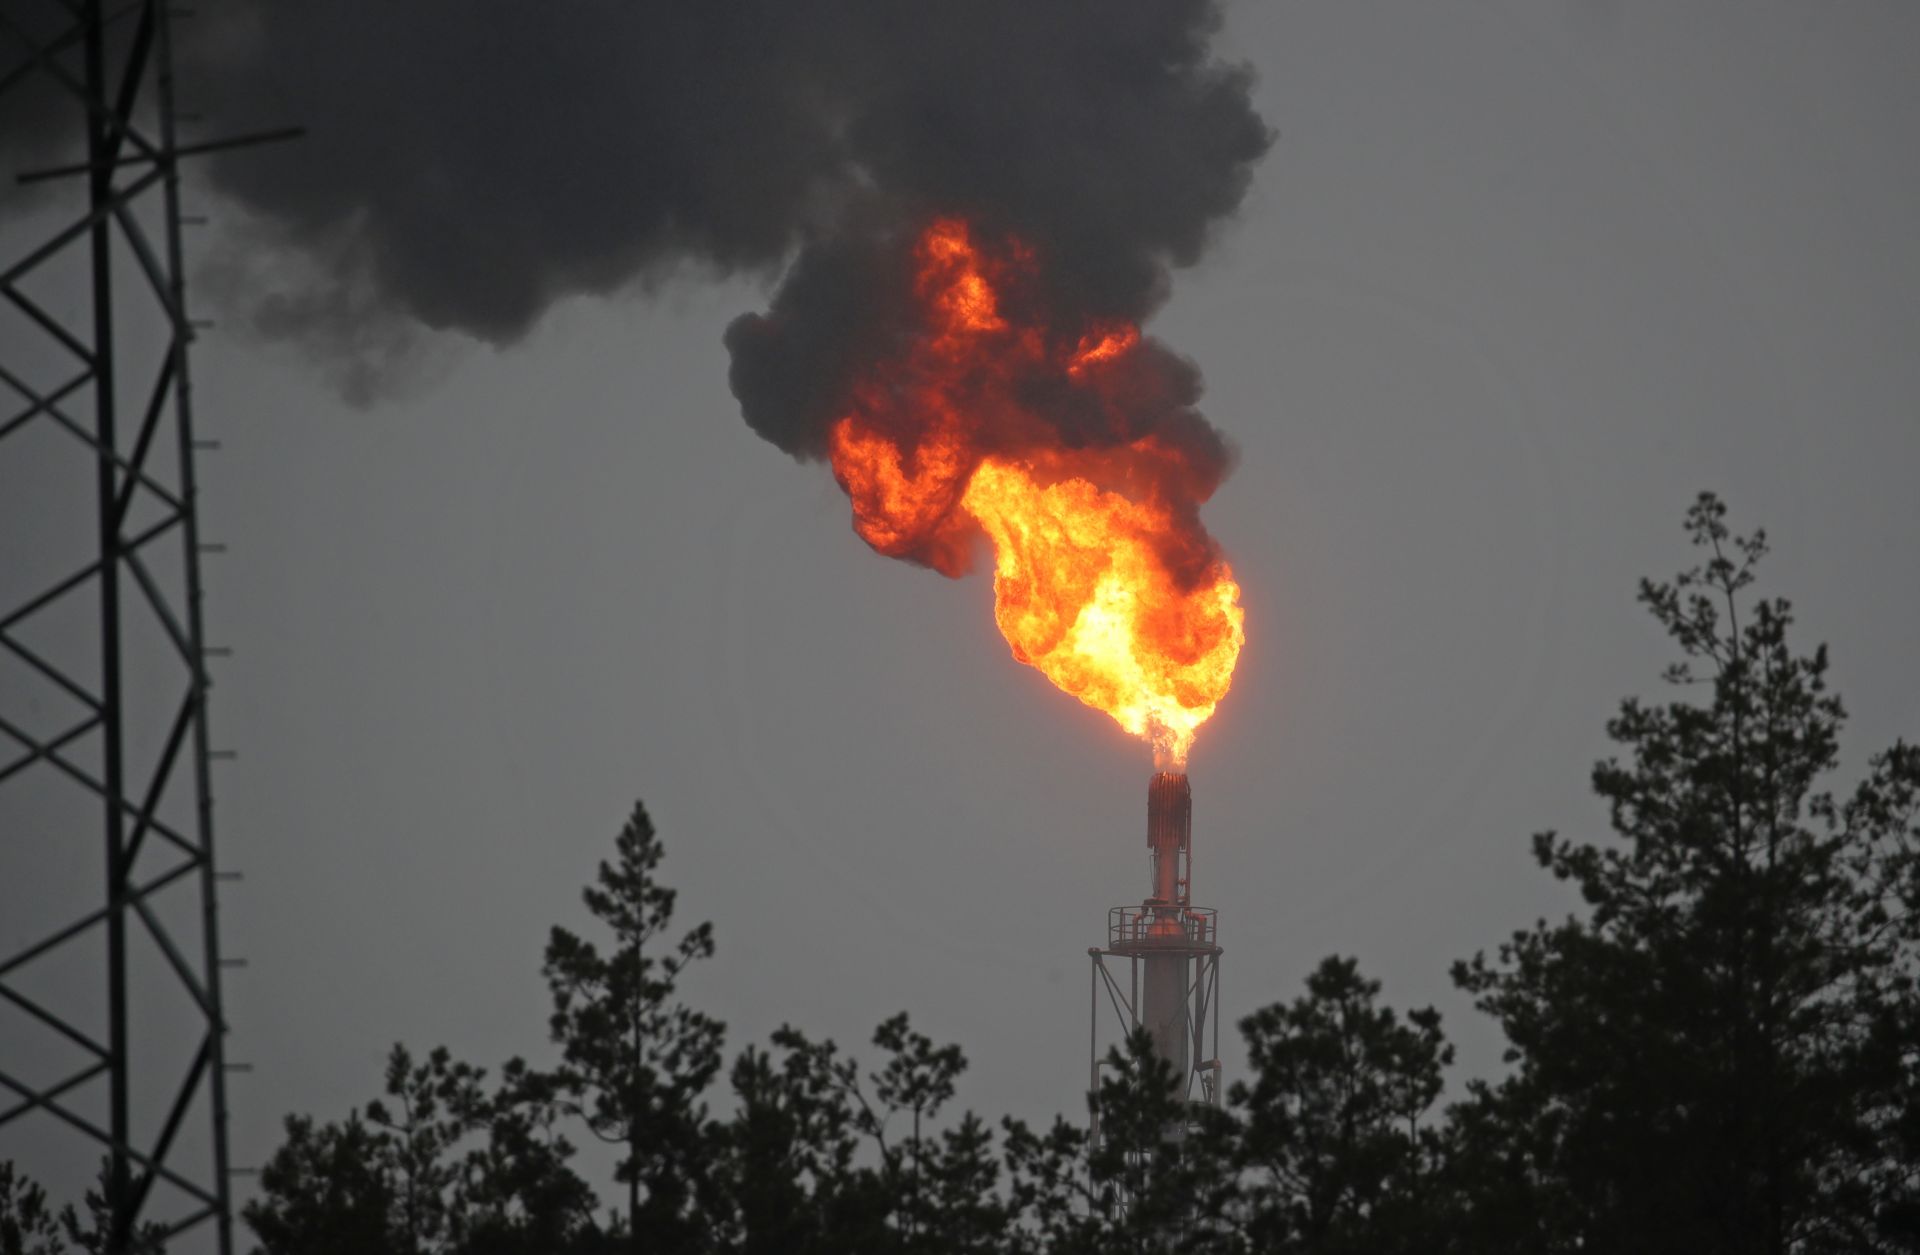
[1719, 1052]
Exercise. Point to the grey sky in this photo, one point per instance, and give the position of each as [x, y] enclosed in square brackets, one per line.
[1515, 282]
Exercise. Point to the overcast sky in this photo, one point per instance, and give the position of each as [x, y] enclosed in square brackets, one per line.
[1515, 281]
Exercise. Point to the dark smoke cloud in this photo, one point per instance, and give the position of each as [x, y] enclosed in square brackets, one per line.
[469, 162]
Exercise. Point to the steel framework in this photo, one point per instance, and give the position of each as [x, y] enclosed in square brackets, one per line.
[110, 962]
[1199, 956]
[1171, 952]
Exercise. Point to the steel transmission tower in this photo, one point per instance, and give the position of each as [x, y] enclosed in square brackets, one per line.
[112, 1050]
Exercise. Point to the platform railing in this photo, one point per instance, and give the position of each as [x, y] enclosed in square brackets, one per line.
[1147, 927]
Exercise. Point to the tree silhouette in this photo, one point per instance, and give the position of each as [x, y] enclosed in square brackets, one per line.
[28, 1225]
[635, 1063]
[438, 1164]
[1337, 1149]
[1715, 1058]
[327, 1188]
[1158, 1178]
[1719, 1054]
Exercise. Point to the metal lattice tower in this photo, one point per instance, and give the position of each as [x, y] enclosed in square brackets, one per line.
[111, 1025]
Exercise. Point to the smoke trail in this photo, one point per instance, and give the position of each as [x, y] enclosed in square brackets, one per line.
[470, 162]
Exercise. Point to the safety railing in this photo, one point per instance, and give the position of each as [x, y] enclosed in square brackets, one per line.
[1148, 927]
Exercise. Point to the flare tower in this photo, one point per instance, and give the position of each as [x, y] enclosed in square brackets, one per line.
[1160, 967]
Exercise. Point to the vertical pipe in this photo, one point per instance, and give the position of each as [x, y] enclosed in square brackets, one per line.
[1183, 880]
[1165, 1010]
[1093, 1050]
[1198, 1000]
[1219, 1099]
[1169, 825]
[196, 636]
[101, 146]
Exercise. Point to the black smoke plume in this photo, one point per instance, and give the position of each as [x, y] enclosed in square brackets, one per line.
[468, 163]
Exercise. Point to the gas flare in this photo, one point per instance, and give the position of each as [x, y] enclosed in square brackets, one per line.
[1104, 580]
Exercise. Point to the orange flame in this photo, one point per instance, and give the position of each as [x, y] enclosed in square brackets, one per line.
[1095, 581]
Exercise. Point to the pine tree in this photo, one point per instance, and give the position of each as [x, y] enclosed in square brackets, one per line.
[28, 1225]
[1717, 1055]
[636, 1063]
[1336, 1144]
[439, 1165]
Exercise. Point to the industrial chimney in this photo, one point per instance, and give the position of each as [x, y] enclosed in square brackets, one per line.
[1170, 954]
[1163, 995]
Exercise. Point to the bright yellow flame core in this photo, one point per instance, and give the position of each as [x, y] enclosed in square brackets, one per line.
[1080, 594]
